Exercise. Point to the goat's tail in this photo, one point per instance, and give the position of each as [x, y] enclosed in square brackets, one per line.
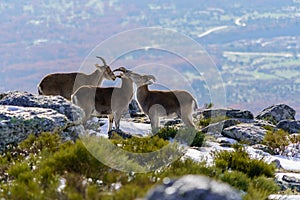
[74, 99]
[195, 104]
[40, 91]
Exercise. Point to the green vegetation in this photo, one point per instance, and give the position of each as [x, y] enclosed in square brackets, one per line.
[196, 138]
[45, 168]
[206, 121]
[278, 140]
[239, 160]
[250, 175]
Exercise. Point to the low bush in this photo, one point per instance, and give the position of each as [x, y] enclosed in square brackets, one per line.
[278, 140]
[54, 170]
[239, 160]
[261, 188]
[141, 145]
[182, 135]
[237, 179]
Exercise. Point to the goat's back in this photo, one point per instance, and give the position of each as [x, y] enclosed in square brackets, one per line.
[65, 83]
[171, 101]
[57, 84]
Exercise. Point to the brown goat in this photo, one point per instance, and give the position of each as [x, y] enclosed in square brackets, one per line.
[64, 84]
[111, 101]
[157, 103]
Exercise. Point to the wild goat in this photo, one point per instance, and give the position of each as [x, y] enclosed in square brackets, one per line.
[157, 103]
[111, 101]
[64, 84]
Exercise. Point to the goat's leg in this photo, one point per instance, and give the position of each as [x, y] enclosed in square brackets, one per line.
[118, 119]
[110, 121]
[154, 120]
[87, 113]
[187, 117]
[188, 121]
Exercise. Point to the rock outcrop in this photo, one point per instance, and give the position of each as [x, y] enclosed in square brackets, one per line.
[276, 113]
[57, 103]
[227, 113]
[219, 126]
[290, 126]
[288, 180]
[193, 187]
[16, 123]
[22, 113]
[249, 133]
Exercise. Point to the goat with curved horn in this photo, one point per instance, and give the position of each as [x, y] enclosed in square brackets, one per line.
[64, 84]
[104, 63]
[111, 101]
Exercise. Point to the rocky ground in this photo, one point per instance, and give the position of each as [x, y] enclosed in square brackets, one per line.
[22, 113]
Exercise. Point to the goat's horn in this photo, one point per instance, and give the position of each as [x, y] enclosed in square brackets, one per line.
[102, 60]
[121, 69]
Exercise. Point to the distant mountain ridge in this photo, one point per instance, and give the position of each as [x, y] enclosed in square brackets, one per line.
[50, 36]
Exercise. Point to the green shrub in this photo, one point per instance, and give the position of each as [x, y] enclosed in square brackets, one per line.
[141, 145]
[294, 138]
[278, 140]
[258, 168]
[236, 179]
[239, 160]
[38, 173]
[184, 135]
[261, 188]
[74, 158]
[167, 133]
[18, 170]
[266, 184]
[45, 141]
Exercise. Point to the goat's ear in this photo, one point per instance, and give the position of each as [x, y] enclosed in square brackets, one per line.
[100, 67]
[151, 77]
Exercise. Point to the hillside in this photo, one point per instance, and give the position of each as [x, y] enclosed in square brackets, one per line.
[255, 45]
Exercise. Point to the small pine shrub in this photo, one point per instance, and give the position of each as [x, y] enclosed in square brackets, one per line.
[185, 135]
[18, 169]
[294, 138]
[261, 188]
[277, 140]
[266, 184]
[74, 158]
[236, 179]
[141, 145]
[239, 160]
[167, 133]
[45, 141]
[258, 168]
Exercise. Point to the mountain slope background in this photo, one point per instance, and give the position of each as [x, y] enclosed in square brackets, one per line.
[255, 45]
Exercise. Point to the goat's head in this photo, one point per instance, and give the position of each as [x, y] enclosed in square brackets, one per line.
[137, 78]
[125, 73]
[147, 80]
[105, 69]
